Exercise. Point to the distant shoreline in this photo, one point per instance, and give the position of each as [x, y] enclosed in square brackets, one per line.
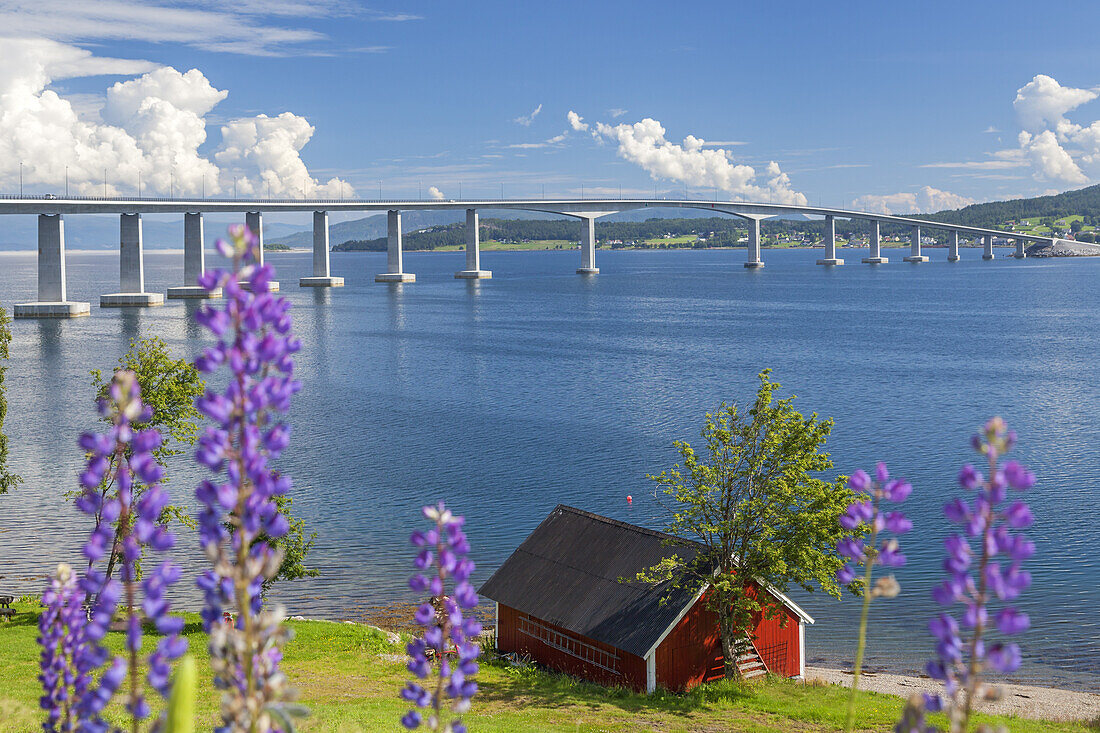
[891, 246]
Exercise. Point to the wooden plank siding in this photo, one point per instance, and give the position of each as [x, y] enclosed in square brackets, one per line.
[692, 652]
[565, 651]
[777, 641]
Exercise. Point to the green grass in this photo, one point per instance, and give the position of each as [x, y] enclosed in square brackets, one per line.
[684, 239]
[349, 676]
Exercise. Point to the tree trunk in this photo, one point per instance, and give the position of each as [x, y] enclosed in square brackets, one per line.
[728, 631]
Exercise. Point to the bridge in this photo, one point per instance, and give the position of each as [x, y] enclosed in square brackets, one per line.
[52, 294]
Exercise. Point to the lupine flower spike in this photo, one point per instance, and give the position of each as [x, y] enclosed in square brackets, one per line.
[61, 636]
[868, 515]
[255, 345]
[984, 564]
[71, 640]
[449, 639]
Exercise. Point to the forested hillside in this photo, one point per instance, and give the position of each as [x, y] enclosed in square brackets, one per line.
[1084, 202]
[708, 232]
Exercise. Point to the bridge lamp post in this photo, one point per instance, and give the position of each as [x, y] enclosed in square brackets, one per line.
[66, 181]
[20, 179]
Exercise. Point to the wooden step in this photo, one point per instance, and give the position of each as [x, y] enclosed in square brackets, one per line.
[754, 673]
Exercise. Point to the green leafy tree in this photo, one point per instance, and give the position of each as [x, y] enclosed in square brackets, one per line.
[8, 480]
[169, 387]
[294, 546]
[754, 502]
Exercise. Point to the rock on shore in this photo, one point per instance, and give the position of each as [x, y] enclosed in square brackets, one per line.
[1063, 248]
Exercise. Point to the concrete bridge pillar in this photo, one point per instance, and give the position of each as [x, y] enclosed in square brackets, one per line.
[254, 220]
[830, 244]
[875, 257]
[588, 247]
[131, 268]
[1019, 253]
[321, 276]
[394, 272]
[473, 269]
[914, 246]
[754, 260]
[953, 247]
[194, 260]
[987, 253]
[52, 292]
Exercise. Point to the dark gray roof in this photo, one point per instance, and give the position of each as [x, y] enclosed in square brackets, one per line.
[567, 572]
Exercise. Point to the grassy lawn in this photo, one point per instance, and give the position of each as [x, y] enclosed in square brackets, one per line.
[685, 239]
[349, 676]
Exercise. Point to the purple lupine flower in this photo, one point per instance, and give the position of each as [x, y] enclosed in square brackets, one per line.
[867, 515]
[119, 463]
[61, 637]
[983, 564]
[256, 345]
[448, 638]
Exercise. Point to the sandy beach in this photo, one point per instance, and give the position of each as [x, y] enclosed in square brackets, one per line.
[1027, 701]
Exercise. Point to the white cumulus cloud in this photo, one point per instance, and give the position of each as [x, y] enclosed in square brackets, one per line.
[1049, 159]
[925, 200]
[152, 129]
[692, 163]
[264, 154]
[576, 121]
[1042, 103]
[435, 193]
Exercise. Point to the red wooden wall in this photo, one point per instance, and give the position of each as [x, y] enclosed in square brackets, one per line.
[692, 653]
[581, 657]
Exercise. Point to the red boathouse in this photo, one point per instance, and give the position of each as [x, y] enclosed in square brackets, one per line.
[560, 602]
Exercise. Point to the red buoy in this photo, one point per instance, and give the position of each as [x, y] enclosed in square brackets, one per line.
[629, 499]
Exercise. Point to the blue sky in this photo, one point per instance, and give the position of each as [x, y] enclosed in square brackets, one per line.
[895, 106]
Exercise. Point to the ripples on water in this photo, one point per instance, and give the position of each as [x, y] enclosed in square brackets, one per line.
[509, 396]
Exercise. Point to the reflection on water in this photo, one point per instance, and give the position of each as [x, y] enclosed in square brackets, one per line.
[505, 397]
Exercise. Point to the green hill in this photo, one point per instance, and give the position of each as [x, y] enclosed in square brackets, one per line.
[1084, 202]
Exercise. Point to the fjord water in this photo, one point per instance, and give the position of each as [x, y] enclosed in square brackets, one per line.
[509, 396]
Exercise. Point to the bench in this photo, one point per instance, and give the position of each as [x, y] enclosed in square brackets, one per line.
[5, 606]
